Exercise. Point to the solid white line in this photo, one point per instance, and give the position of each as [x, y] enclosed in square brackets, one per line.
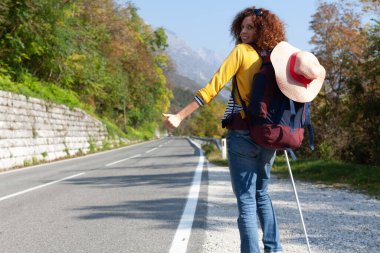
[38, 187]
[123, 160]
[151, 150]
[182, 235]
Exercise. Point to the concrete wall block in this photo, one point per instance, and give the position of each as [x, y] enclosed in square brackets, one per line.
[8, 143]
[8, 125]
[40, 141]
[39, 149]
[56, 109]
[33, 100]
[30, 127]
[56, 147]
[5, 94]
[5, 125]
[21, 104]
[18, 97]
[8, 163]
[73, 152]
[42, 117]
[5, 101]
[51, 156]
[81, 145]
[18, 111]
[4, 116]
[46, 133]
[14, 134]
[5, 143]
[33, 115]
[5, 153]
[60, 154]
[21, 151]
[38, 107]
[4, 109]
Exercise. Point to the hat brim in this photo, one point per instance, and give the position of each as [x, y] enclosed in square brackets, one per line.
[280, 58]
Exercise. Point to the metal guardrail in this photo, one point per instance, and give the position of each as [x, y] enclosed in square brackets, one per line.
[217, 142]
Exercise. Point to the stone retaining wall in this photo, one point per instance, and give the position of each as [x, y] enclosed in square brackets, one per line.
[32, 130]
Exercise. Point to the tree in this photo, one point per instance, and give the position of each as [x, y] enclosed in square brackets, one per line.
[346, 112]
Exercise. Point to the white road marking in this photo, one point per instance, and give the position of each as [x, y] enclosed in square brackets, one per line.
[182, 235]
[151, 150]
[110, 164]
[38, 187]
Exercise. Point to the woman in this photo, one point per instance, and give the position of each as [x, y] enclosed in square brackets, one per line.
[257, 32]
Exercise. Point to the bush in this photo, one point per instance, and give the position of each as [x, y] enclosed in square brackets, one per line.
[208, 148]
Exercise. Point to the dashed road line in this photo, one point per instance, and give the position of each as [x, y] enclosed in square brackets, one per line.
[38, 187]
[113, 163]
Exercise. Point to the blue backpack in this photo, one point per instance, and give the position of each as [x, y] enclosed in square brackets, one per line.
[275, 121]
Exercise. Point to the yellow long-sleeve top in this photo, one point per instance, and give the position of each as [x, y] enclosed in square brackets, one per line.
[243, 61]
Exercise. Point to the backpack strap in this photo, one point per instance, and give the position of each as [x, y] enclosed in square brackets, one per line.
[233, 98]
[292, 154]
[241, 100]
[292, 115]
[309, 127]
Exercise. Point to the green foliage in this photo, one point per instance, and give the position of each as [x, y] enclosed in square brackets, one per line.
[31, 87]
[205, 122]
[214, 155]
[90, 54]
[44, 155]
[34, 160]
[208, 148]
[27, 163]
[346, 113]
[92, 145]
[339, 174]
[106, 144]
[144, 133]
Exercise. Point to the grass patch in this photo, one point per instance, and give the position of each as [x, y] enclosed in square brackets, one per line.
[214, 155]
[31, 87]
[362, 178]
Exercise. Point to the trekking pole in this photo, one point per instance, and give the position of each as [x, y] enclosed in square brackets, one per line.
[298, 202]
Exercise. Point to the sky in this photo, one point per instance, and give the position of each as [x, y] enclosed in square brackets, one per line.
[206, 23]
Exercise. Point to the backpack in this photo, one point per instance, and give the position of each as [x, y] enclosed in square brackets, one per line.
[275, 121]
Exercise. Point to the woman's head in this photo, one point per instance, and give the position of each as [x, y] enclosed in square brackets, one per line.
[259, 27]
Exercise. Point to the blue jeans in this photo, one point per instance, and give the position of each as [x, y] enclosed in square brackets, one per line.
[250, 166]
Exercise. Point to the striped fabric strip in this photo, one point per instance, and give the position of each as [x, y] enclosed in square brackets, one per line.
[230, 106]
[199, 100]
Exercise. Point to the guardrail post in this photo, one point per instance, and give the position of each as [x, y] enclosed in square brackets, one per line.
[224, 149]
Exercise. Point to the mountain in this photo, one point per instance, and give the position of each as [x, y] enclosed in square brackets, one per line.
[198, 66]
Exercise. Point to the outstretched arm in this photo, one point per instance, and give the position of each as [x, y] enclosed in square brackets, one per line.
[173, 120]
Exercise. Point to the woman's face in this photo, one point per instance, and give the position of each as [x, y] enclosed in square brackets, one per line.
[247, 30]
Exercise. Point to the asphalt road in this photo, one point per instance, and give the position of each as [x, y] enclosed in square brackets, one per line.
[126, 200]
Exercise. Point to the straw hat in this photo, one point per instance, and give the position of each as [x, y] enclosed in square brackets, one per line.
[298, 73]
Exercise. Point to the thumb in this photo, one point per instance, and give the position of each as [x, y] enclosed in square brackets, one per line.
[166, 115]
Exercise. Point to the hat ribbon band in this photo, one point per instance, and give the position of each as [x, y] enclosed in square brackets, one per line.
[297, 77]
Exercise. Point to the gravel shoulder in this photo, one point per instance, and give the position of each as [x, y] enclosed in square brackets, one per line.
[337, 221]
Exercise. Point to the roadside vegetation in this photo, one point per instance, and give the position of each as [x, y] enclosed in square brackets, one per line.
[360, 178]
[91, 54]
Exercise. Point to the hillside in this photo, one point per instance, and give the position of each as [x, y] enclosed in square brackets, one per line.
[197, 65]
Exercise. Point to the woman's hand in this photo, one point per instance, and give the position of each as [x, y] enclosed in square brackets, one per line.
[172, 120]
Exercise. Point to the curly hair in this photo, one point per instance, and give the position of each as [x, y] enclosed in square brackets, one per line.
[269, 28]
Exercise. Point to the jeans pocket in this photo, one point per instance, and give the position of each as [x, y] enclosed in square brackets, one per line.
[240, 143]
